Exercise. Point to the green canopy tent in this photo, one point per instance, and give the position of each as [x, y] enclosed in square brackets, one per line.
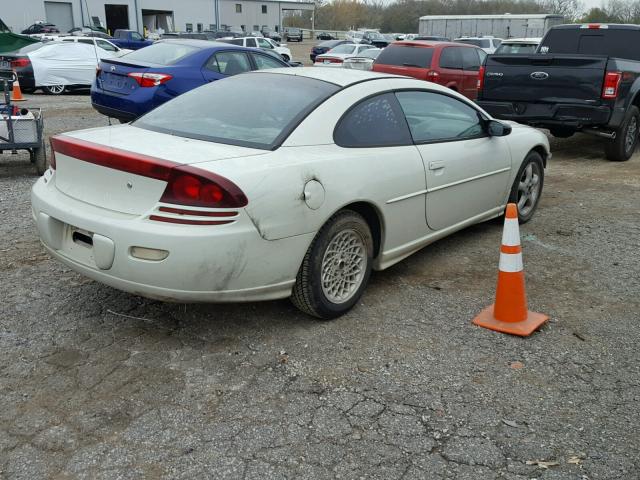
[11, 41]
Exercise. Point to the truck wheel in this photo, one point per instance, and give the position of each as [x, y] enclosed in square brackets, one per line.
[622, 148]
[336, 269]
[562, 132]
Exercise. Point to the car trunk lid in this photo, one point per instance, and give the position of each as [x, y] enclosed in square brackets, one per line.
[124, 168]
[113, 75]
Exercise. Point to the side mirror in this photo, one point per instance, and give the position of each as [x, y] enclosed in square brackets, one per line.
[498, 129]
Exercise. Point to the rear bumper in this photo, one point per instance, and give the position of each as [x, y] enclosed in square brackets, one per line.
[220, 263]
[549, 115]
[122, 107]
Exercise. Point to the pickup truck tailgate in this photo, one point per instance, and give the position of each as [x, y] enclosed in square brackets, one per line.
[544, 78]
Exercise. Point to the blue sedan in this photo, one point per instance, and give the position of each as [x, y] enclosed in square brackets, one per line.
[130, 86]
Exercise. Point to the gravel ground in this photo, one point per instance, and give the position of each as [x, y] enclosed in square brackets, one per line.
[95, 383]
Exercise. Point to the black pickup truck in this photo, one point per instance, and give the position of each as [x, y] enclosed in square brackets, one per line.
[582, 78]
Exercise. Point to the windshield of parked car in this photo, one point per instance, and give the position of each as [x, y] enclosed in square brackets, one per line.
[344, 48]
[516, 48]
[256, 110]
[161, 53]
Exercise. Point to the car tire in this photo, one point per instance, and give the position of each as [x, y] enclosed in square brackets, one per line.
[285, 57]
[326, 285]
[54, 90]
[527, 186]
[562, 132]
[624, 145]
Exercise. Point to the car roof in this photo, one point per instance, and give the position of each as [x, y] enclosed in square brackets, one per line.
[431, 44]
[522, 40]
[198, 43]
[342, 77]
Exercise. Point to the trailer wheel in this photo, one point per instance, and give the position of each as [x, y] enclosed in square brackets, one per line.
[39, 158]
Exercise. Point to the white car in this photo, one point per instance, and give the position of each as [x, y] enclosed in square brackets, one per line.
[488, 44]
[264, 43]
[354, 36]
[364, 61]
[336, 56]
[516, 46]
[59, 65]
[297, 188]
[101, 43]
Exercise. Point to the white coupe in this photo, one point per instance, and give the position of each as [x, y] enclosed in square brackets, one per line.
[337, 55]
[297, 184]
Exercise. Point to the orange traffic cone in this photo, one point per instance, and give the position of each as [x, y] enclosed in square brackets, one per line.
[509, 314]
[16, 92]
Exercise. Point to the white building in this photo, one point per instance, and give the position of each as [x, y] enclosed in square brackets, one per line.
[168, 15]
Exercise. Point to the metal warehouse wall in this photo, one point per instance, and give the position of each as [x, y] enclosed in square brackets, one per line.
[27, 12]
[501, 27]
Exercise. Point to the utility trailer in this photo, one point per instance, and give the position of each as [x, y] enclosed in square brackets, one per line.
[20, 128]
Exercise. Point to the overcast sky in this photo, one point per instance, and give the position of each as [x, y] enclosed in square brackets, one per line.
[587, 4]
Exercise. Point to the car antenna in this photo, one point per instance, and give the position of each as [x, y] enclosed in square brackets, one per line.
[95, 43]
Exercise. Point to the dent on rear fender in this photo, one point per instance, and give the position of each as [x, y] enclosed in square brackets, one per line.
[277, 207]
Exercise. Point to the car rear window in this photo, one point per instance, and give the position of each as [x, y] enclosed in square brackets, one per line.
[517, 48]
[161, 53]
[611, 42]
[406, 55]
[475, 41]
[270, 107]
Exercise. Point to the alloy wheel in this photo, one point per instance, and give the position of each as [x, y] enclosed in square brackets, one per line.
[343, 266]
[529, 188]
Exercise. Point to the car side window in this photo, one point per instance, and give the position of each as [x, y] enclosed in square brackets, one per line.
[262, 43]
[229, 63]
[106, 46]
[434, 117]
[374, 122]
[263, 62]
[136, 36]
[451, 58]
[251, 42]
[470, 59]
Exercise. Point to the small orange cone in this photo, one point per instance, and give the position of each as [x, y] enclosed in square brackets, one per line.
[16, 93]
[510, 314]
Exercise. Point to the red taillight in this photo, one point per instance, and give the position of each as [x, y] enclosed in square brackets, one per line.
[611, 84]
[481, 78]
[186, 185]
[432, 76]
[20, 62]
[330, 59]
[199, 188]
[150, 79]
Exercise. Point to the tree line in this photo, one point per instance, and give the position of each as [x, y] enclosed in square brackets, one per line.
[403, 15]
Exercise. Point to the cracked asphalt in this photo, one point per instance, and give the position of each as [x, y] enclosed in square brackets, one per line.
[99, 384]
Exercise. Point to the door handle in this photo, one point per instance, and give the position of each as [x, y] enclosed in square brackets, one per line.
[436, 165]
